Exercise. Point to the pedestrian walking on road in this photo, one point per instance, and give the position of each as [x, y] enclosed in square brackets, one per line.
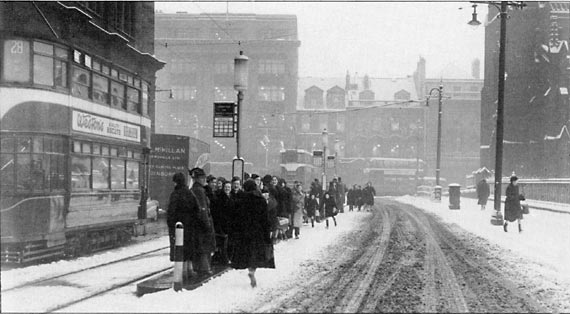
[253, 245]
[330, 209]
[368, 195]
[350, 198]
[182, 207]
[358, 197]
[298, 203]
[312, 208]
[513, 210]
[483, 193]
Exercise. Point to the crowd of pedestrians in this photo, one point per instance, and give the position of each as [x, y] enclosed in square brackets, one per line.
[230, 223]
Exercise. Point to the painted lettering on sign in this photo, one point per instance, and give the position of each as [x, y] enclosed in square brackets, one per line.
[93, 124]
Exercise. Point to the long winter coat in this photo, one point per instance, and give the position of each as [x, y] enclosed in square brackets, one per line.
[358, 199]
[513, 209]
[253, 247]
[350, 197]
[342, 193]
[272, 205]
[334, 193]
[298, 204]
[329, 205]
[483, 192]
[368, 195]
[312, 206]
[182, 207]
[204, 235]
[222, 209]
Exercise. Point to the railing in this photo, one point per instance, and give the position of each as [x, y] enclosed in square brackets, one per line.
[551, 190]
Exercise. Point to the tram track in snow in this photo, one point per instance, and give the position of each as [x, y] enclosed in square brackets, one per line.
[41, 281]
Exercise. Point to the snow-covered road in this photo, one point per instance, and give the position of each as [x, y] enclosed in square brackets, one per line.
[536, 261]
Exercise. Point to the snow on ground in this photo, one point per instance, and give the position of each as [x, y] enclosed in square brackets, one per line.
[541, 253]
[231, 291]
[17, 276]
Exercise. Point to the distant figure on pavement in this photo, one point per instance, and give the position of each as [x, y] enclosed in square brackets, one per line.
[483, 193]
[368, 196]
[513, 210]
[330, 209]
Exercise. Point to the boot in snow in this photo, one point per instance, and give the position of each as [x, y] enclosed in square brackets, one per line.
[505, 227]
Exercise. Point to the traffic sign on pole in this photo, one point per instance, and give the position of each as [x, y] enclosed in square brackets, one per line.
[225, 118]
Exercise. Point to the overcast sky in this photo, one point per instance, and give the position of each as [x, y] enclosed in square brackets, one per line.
[382, 39]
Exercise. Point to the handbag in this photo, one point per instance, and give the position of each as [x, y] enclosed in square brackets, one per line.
[525, 208]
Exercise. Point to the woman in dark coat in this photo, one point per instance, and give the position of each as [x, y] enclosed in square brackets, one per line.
[204, 234]
[182, 208]
[312, 206]
[368, 196]
[483, 193]
[253, 246]
[330, 209]
[350, 198]
[222, 209]
[513, 210]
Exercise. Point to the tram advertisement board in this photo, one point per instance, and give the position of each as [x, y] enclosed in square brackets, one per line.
[169, 155]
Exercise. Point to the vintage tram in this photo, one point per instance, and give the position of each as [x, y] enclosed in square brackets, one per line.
[74, 138]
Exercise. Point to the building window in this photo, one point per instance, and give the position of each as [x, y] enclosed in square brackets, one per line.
[124, 15]
[224, 67]
[271, 67]
[224, 93]
[456, 88]
[271, 93]
[144, 102]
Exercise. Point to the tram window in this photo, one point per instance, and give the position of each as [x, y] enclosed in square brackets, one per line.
[38, 173]
[76, 147]
[16, 61]
[117, 95]
[38, 146]
[96, 66]
[144, 102]
[122, 152]
[117, 174]
[87, 61]
[6, 170]
[56, 171]
[136, 155]
[23, 179]
[60, 73]
[123, 77]
[80, 173]
[132, 100]
[132, 175]
[43, 70]
[105, 150]
[61, 53]
[114, 73]
[81, 82]
[100, 173]
[105, 69]
[77, 56]
[24, 145]
[100, 89]
[114, 152]
[43, 48]
[86, 148]
[7, 144]
[96, 149]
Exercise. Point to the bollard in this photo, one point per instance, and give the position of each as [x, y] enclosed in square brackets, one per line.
[454, 196]
[178, 256]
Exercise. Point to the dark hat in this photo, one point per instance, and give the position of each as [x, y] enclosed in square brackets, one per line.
[514, 178]
[266, 179]
[235, 178]
[197, 172]
[249, 186]
[254, 176]
[179, 178]
[210, 178]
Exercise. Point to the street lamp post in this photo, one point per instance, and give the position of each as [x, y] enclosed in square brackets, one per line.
[501, 92]
[439, 90]
[240, 84]
[325, 135]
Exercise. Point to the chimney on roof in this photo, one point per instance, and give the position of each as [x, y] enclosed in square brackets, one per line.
[476, 69]
[347, 81]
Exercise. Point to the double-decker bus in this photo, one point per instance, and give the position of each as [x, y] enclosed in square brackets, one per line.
[75, 141]
[394, 176]
[297, 165]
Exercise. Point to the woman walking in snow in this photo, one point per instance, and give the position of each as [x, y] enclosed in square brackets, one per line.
[483, 193]
[253, 245]
[312, 206]
[513, 210]
[330, 209]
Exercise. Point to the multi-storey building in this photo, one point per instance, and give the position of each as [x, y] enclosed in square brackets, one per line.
[460, 121]
[536, 108]
[200, 51]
